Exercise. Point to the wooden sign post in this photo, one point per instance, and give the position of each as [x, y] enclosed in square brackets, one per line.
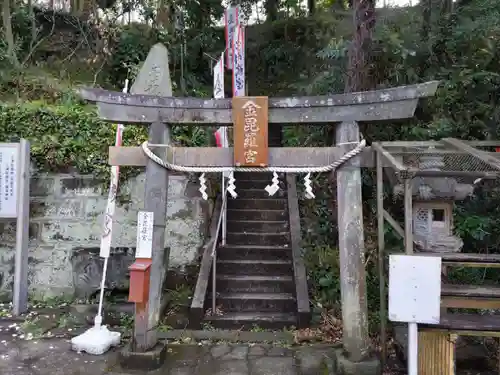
[140, 273]
[250, 118]
[15, 204]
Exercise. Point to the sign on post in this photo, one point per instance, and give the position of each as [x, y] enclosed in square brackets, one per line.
[414, 296]
[9, 163]
[144, 248]
[14, 204]
[250, 119]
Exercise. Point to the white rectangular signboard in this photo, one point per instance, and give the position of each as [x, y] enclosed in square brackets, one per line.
[414, 289]
[9, 173]
[144, 247]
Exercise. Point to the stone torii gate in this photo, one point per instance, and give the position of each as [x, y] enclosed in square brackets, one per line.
[345, 110]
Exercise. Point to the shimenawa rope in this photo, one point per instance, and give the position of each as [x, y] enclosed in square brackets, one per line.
[179, 168]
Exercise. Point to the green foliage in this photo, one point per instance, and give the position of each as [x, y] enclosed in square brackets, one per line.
[283, 53]
[63, 138]
[132, 45]
[322, 264]
[71, 138]
[130, 49]
[463, 53]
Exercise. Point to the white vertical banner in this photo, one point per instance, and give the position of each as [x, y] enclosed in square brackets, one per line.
[231, 20]
[221, 137]
[239, 61]
[107, 231]
[144, 247]
[219, 78]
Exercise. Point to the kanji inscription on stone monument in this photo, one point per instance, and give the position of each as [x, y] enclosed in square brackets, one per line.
[250, 119]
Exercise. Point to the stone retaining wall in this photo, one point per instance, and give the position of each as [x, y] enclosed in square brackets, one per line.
[65, 229]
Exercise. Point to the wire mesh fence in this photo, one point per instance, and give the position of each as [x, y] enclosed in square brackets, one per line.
[438, 170]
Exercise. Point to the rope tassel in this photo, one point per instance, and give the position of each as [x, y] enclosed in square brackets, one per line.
[203, 187]
[231, 187]
[307, 185]
[272, 189]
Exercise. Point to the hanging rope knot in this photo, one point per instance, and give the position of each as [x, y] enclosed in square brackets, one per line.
[327, 168]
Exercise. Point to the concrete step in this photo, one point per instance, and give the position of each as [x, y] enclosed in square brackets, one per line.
[248, 321]
[254, 215]
[235, 252]
[256, 226]
[262, 204]
[256, 184]
[260, 239]
[255, 284]
[255, 267]
[259, 194]
[255, 302]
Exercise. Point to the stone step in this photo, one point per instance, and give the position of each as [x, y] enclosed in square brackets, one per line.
[254, 267]
[260, 239]
[248, 321]
[256, 226]
[263, 204]
[254, 284]
[236, 252]
[255, 302]
[254, 215]
[256, 184]
[259, 194]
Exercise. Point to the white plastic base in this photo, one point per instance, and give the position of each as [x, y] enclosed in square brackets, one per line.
[96, 340]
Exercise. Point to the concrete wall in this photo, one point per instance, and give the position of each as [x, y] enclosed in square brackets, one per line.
[65, 229]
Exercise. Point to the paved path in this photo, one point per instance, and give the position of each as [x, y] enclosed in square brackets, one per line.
[19, 356]
[54, 357]
[251, 360]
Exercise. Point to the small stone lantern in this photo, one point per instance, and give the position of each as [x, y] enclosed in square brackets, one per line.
[433, 199]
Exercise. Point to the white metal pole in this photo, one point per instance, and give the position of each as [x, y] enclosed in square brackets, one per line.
[224, 208]
[224, 216]
[412, 349]
[20, 292]
[214, 283]
[108, 221]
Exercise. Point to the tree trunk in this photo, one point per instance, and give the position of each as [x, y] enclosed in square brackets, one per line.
[426, 21]
[34, 31]
[446, 7]
[358, 70]
[9, 35]
[162, 14]
[311, 5]
[271, 7]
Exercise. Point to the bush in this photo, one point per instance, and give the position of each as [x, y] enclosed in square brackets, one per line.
[70, 137]
[63, 137]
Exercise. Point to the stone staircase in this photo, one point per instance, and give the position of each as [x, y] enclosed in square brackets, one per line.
[260, 274]
[255, 273]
